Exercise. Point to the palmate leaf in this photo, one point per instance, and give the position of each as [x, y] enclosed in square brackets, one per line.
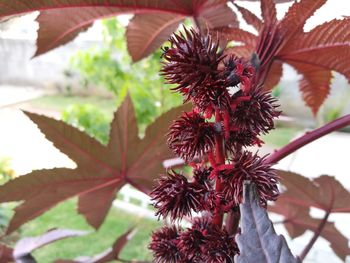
[5, 254]
[101, 170]
[324, 193]
[61, 21]
[258, 241]
[313, 54]
[297, 220]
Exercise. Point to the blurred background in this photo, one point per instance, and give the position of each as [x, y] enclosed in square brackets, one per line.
[83, 83]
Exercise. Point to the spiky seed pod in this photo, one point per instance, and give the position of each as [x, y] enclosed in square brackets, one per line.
[190, 60]
[191, 136]
[236, 71]
[190, 244]
[239, 139]
[164, 245]
[257, 114]
[212, 94]
[177, 197]
[203, 222]
[219, 246]
[201, 176]
[248, 166]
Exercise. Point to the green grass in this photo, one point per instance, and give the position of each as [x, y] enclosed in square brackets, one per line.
[280, 136]
[117, 222]
[61, 102]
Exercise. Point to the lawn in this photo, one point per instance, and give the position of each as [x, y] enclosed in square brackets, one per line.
[280, 136]
[117, 222]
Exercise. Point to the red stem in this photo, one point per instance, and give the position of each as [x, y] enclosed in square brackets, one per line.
[220, 159]
[307, 138]
[316, 235]
[232, 221]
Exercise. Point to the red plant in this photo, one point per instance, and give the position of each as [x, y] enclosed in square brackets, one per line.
[194, 63]
[212, 137]
[313, 54]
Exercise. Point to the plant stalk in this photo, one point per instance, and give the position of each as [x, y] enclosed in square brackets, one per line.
[220, 159]
[315, 236]
[307, 138]
[232, 221]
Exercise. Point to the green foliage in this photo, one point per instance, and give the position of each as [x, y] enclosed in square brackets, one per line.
[88, 118]
[6, 172]
[111, 67]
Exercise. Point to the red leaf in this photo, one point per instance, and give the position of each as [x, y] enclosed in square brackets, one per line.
[95, 205]
[27, 245]
[324, 192]
[240, 51]
[268, 11]
[61, 21]
[326, 46]
[250, 18]
[291, 213]
[274, 76]
[216, 14]
[314, 54]
[146, 32]
[240, 35]
[294, 21]
[5, 254]
[102, 170]
[71, 22]
[314, 85]
[297, 221]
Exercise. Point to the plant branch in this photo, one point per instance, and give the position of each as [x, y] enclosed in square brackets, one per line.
[316, 235]
[308, 138]
[220, 159]
[232, 221]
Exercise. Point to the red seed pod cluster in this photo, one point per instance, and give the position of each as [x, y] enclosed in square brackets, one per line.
[212, 139]
[203, 242]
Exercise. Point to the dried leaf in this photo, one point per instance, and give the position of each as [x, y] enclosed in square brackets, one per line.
[258, 241]
[101, 170]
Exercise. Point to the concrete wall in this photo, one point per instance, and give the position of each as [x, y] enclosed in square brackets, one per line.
[17, 67]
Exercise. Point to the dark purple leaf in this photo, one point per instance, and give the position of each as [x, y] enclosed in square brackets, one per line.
[258, 241]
